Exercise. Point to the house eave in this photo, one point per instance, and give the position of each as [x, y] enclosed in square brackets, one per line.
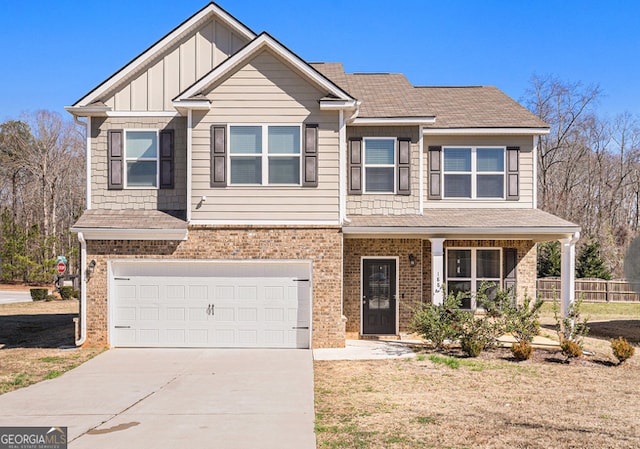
[131, 234]
[538, 234]
[182, 106]
[88, 111]
[485, 131]
[390, 121]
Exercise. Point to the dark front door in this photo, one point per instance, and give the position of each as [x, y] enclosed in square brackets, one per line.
[379, 296]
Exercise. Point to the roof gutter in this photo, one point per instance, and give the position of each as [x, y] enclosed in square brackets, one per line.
[485, 131]
[530, 232]
[131, 234]
[393, 121]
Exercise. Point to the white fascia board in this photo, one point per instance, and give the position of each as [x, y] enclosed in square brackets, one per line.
[274, 223]
[484, 131]
[527, 233]
[88, 111]
[132, 234]
[263, 41]
[371, 121]
[334, 105]
[202, 105]
[210, 10]
[142, 114]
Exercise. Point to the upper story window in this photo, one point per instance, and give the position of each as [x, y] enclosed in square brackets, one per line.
[264, 154]
[474, 172]
[379, 165]
[141, 158]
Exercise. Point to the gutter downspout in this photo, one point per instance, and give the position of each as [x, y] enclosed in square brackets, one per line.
[189, 161]
[83, 290]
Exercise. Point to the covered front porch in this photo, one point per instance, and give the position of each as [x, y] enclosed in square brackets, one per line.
[392, 264]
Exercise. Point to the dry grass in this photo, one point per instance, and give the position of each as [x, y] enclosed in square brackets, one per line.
[31, 337]
[437, 401]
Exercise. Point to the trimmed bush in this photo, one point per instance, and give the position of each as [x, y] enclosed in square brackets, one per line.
[522, 350]
[67, 293]
[39, 294]
[571, 349]
[51, 298]
[438, 323]
[622, 349]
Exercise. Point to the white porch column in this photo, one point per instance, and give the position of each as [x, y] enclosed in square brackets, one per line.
[568, 273]
[437, 270]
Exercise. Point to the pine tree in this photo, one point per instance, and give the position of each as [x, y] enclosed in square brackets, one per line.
[590, 264]
[548, 259]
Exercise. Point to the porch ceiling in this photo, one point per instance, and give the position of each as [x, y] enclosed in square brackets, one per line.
[529, 224]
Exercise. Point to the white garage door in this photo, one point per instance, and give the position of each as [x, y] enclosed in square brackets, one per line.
[210, 305]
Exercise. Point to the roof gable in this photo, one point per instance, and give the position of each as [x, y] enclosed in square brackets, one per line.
[132, 71]
[263, 42]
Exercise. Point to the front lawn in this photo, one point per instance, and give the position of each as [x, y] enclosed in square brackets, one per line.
[37, 342]
[439, 401]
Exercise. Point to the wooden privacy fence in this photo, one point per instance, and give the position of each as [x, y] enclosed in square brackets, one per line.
[593, 290]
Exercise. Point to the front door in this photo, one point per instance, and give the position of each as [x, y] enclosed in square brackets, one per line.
[379, 296]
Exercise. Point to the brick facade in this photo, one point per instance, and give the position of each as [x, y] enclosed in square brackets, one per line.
[415, 282]
[321, 245]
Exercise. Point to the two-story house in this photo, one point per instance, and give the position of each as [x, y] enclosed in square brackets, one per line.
[239, 196]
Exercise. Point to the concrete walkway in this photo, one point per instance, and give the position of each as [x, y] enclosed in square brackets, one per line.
[176, 398]
[368, 350]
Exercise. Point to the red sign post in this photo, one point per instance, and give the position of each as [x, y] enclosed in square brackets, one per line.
[62, 267]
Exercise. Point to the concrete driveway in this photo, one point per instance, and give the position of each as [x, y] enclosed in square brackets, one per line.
[176, 398]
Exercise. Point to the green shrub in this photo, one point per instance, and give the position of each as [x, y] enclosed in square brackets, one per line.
[522, 350]
[39, 294]
[67, 293]
[572, 328]
[439, 323]
[571, 349]
[478, 333]
[622, 349]
[51, 298]
[522, 320]
[471, 346]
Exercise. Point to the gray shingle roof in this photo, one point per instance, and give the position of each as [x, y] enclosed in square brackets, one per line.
[128, 219]
[460, 219]
[388, 95]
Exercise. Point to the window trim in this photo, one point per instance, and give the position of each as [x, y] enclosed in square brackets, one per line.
[394, 166]
[125, 159]
[474, 172]
[474, 270]
[264, 154]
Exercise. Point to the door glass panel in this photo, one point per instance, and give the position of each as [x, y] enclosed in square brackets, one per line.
[379, 280]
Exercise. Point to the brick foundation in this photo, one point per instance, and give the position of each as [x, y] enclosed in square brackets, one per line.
[321, 245]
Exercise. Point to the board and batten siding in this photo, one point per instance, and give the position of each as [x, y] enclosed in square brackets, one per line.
[132, 198]
[266, 91]
[525, 170]
[186, 61]
[388, 204]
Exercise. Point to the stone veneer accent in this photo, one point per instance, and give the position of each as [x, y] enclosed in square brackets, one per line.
[322, 245]
[415, 282]
[410, 278]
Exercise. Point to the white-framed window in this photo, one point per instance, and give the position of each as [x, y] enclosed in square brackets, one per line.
[264, 154]
[469, 268]
[141, 155]
[474, 172]
[379, 164]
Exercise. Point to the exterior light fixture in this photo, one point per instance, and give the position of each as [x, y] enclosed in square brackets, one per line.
[412, 260]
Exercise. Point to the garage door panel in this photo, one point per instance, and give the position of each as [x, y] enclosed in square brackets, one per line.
[209, 311]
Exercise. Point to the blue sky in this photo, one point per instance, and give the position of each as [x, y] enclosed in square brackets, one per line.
[56, 51]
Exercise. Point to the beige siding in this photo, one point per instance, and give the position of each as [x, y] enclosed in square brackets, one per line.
[388, 204]
[154, 86]
[526, 170]
[162, 199]
[266, 91]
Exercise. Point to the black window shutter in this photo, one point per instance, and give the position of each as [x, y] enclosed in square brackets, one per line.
[218, 155]
[167, 163]
[404, 166]
[510, 262]
[355, 166]
[513, 175]
[435, 178]
[310, 156]
[115, 158]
